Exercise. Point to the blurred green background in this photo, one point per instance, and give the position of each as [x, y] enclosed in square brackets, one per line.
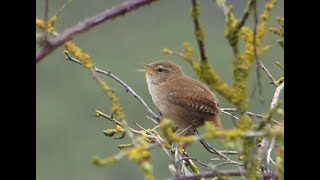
[68, 135]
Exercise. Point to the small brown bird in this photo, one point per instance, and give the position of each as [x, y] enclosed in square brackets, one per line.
[187, 102]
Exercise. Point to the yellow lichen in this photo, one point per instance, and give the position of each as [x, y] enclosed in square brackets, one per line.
[40, 23]
[112, 132]
[147, 169]
[188, 52]
[193, 167]
[167, 51]
[171, 136]
[101, 162]
[73, 49]
[51, 23]
[267, 8]
[121, 146]
[228, 135]
[138, 154]
[116, 107]
[245, 122]
[231, 30]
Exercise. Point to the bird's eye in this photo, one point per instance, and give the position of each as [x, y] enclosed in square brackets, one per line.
[159, 69]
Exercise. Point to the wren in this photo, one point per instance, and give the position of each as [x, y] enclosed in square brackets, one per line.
[185, 101]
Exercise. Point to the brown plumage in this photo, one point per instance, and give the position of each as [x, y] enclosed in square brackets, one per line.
[187, 102]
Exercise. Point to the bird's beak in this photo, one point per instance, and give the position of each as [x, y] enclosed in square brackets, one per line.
[146, 69]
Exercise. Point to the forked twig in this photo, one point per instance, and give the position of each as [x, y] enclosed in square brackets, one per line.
[127, 87]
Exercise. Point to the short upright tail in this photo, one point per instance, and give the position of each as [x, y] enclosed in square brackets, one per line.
[217, 122]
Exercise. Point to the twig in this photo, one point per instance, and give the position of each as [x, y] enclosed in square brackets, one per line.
[110, 118]
[281, 67]
[229, 152]
[209, 148]
[89, 23]
[274, 82]
[228, 163]
[46, 14]
[127, 87]
[276, 95]
[62, 7]
[270, 150]
[150, 135]
[227, 110]
[198, 30]
[207, 174]
[254, 43]
[245, 15]
[264, 140]
[192, 158]
[123, 124]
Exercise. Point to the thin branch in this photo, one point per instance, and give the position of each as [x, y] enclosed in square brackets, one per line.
[227, 110]
[264, 142]
[229, 152]
[207, 174]
[245, 15]
[110, 118]
[254, 43]
[198, 30]
[274, 82]
[276, 95]
[228, 163]
[270, 150]
[192, 158]
[278, 64]
[46, 14]
[210, 148]
[62, 7]
[89, 23]
[127, 87]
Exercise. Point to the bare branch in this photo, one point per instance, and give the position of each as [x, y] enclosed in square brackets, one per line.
[270, 150]
[110, 118]
[127, 87]
[198, 30]
[276, 95]
[46, 12]
[227, 110]
[278, 64]
[228, 163]
[89, 23]
[274, 82]
[246, 14]
[258, 62]
[265, 141]
[207, 174]
[192, 158]
[229, 152]
[210, 148]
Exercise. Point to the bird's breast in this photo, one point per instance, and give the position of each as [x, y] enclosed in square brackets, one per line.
[158, 94]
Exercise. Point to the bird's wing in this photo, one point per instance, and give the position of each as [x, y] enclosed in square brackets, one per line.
[193, 96]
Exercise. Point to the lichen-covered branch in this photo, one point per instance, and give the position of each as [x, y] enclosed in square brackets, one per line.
[127, 87]
[89, 23]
